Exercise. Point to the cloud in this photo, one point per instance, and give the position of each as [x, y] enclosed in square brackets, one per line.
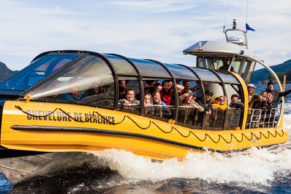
[156, 5]
[157, 29]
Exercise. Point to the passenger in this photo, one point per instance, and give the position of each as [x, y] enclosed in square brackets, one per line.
[105, 98]
[270, 103]
[180, 89]
[187, 88]
[147, 88]
[160, 107]
[130, 99]
[148, 104]
[255, 97]
[167, 92]
[94, 90]
[75, 95]
[155, 86]
[107, 90]
[276, 94]
[157, 99]
[122, 83]
[190, 102]
[262, 102]
[122, 89]
[208, 106]
[223, 100]
[235, 103]
[171, 84]
[264, 94]
[219, 103]
[148, 101]
[92, 95]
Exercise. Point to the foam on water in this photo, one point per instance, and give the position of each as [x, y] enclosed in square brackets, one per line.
[254, 166]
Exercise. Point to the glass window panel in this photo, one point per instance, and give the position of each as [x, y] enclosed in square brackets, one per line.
[88, 81]
[37, 71]
[216, 63]
[150, 69]
[121, 66]
[181, 72]
[228, 78]
[206, 75]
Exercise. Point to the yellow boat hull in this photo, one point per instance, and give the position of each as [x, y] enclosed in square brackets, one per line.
[52, 127]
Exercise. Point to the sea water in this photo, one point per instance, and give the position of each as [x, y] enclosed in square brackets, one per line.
[264, 170]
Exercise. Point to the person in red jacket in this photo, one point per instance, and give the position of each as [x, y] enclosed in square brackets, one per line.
[167, 92]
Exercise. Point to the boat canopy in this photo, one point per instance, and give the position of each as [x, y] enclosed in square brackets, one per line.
[118, 66]
[39, 69]
[98, 80]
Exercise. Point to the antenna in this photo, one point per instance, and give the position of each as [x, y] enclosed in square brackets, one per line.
[235, 39]
[234, 24]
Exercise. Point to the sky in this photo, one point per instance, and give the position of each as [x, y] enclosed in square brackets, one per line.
[155, 29]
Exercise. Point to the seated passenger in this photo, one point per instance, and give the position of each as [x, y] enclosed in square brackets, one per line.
[235, 103]
[180, 89]
[219, 103]
[146, 88]
[270, 104]
[122, 89]
[187, 88]
[254, 96]
[92, 94]
[130, 99]
[75, 95]
[148, 104]
[94, 90]
[167, 92]
[148, 101]
[190, 102]
[264, 94]
[155, 86]
[161, 109]
[262, 102]
[208, 106]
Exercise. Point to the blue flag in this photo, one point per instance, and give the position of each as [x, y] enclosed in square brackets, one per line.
[249, 28]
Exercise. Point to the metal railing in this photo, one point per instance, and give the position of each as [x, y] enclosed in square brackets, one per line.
[263, 118]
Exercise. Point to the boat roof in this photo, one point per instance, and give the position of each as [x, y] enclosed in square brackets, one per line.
[216, 48]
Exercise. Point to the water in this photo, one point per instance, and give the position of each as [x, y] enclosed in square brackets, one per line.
[266, 170]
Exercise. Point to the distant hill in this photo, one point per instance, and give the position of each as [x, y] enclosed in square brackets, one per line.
[262, 74]
[5, 72]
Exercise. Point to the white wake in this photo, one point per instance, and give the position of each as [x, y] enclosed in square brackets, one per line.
[254, 166]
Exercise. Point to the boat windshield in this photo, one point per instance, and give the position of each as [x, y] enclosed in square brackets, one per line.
[214, 63]
[37, 70]
[88, 81]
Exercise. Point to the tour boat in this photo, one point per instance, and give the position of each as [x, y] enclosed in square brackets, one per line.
[69, 101]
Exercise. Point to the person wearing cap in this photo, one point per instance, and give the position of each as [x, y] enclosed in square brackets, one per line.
[208, 106]
[251, 89]
[219, 103]
[276, 94]
[254, 96]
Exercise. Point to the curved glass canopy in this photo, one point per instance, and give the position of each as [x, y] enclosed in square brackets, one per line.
[102, 80]
[102, 70]
[37, 71]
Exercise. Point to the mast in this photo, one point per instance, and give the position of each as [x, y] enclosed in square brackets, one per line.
[235, 39]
